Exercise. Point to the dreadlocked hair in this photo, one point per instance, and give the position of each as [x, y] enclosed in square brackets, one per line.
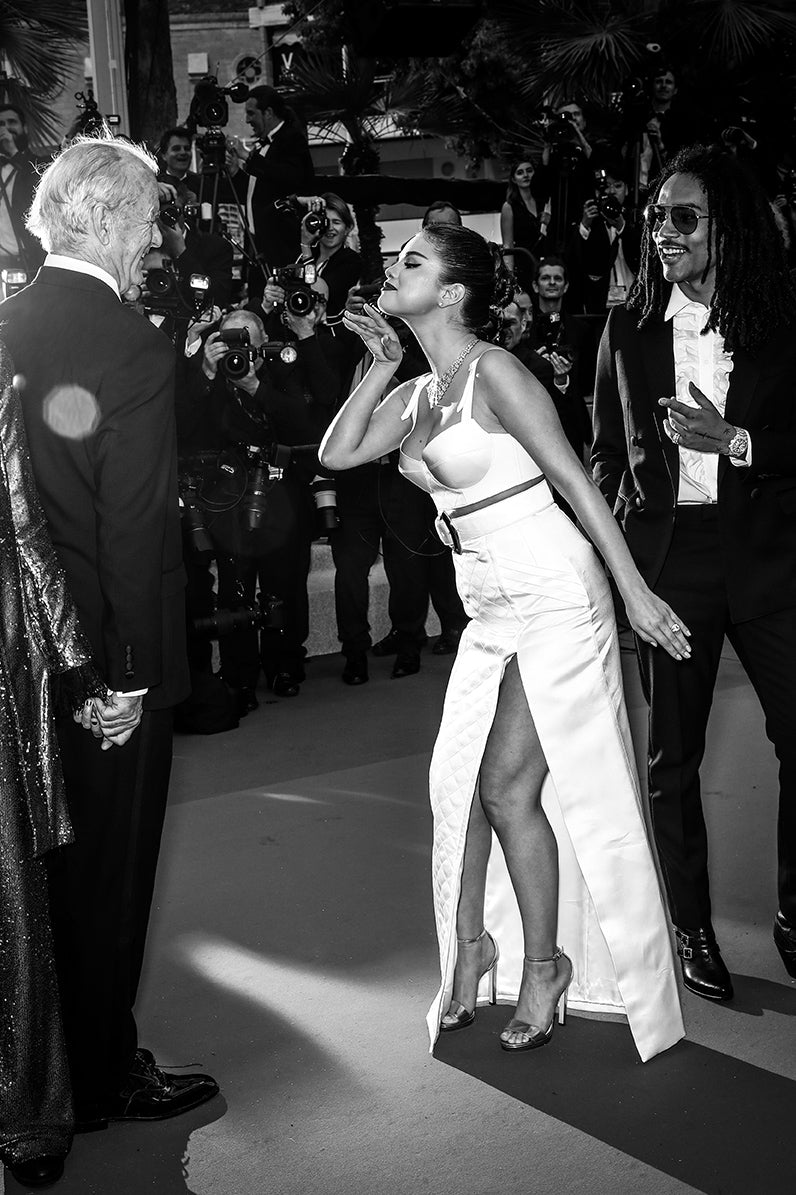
[754, 294]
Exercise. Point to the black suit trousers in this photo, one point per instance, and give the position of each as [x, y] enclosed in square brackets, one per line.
[379, 507]
[101, 893]
[680, 694]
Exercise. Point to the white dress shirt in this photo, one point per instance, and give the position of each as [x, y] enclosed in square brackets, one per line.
[9, 242]
[60, 261]
[703, 360]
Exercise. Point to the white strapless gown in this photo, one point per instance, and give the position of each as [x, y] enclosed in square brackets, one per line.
[533, 587]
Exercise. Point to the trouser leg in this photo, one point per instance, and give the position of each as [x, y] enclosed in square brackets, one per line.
[355, 549]
[680, 694]
[767, 649]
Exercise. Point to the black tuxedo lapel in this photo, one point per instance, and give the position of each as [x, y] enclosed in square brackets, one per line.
[658, 355]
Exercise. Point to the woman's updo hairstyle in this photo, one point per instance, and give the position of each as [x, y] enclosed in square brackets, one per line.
[466, 258]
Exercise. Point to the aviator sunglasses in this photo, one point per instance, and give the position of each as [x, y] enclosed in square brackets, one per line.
[684, 219]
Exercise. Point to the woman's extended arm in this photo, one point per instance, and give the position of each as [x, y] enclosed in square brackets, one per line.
[522, 407]
[368, 425]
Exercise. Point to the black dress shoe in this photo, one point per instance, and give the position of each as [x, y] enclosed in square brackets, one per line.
[388, 646]
[285, 684]
[406, 664]
[704, 972]
[447, 644]
[356, 669]
[785, 942]
[153, 1094]
[38, 1172]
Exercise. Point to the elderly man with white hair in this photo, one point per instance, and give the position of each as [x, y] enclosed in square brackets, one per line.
[96, 385]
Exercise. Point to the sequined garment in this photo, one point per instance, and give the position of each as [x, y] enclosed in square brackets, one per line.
[39, 636]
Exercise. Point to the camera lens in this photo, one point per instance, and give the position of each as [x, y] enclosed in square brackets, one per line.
[300, 301]
[235, 364]
[159, 283]
[315, 223]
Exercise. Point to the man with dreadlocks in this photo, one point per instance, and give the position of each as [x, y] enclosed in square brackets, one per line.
[703, 482]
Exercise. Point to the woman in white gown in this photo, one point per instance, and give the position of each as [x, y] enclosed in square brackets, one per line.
[534, 725]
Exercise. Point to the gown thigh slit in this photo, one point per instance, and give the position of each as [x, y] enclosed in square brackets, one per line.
[533, 587]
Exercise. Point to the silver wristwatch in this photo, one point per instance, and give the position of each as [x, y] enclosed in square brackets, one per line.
[738, 444]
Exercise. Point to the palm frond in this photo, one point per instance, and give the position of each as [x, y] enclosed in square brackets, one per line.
[592, 47]
[38, 40]
[731, 30]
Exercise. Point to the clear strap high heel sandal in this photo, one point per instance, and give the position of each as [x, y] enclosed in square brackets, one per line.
[534, 1036]
[457, 1016]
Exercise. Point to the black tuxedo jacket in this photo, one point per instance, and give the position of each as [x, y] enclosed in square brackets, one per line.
[97, 393]
[25, 180]
[285, 170]
[637, 466]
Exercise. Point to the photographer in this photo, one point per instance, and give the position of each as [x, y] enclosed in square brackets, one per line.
[604, 249]
[174, 159]
[553, 325]
[564, 180]
[272, 402]
[18, 177]
[194, 250]
[324, 232]
[555, 366]
[280, 164]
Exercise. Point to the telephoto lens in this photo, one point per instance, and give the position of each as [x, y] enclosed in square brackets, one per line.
[325, 497]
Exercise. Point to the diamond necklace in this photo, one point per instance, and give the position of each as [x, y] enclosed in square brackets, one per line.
[437, 386]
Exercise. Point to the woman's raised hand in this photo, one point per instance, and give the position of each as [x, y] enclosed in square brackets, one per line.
[379, 338]
[656, 623]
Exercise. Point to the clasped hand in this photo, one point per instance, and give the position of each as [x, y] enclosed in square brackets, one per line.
[700, 427]
[113, 721]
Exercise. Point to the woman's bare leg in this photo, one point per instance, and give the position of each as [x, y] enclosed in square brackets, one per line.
[512, 771]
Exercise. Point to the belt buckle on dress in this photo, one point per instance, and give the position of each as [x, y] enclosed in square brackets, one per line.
[456, 543]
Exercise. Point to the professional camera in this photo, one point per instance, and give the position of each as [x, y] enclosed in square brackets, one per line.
[296, 281]
[559, 131]
[90, 121]
[210, 110]
[172, 215]
[240, 353]
[166, 293]
[265, 466]
[608, 206]
[266, 614]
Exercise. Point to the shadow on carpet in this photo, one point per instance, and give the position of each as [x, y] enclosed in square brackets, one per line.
[709, 1120]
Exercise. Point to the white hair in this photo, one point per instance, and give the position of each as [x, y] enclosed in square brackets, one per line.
[91, 172]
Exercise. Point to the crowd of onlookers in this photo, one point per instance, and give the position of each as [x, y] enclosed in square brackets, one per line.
[250, 281]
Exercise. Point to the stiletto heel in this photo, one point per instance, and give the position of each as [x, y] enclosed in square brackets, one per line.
[459, 1017]
[536, 1037]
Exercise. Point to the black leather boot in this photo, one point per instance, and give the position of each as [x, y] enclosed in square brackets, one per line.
[704, 972]
[785, 942]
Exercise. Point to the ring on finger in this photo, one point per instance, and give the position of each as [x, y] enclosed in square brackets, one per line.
[675, 626]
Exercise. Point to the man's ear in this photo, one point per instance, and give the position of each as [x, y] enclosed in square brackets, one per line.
[451, 295]
[101, 220]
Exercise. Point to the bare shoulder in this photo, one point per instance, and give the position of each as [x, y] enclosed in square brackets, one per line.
[502, 374]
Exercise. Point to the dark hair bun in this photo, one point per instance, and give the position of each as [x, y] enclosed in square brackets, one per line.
[469, 259]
